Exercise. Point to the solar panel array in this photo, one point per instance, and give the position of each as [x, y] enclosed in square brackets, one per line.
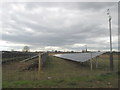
[79, 57]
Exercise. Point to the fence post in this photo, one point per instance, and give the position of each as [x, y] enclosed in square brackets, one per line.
[39, 62]
[96, 62]
[91, 67]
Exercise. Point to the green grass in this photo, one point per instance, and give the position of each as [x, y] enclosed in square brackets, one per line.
[66, 82]
[63, 73]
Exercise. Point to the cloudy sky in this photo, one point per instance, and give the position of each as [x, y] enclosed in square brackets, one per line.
[58, 25]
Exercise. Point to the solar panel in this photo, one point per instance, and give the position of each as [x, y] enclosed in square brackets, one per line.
[79, 57]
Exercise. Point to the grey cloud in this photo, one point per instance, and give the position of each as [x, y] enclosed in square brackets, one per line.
[54, 31]
[72, 5]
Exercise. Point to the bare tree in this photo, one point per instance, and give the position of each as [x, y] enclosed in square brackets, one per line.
[26, 49]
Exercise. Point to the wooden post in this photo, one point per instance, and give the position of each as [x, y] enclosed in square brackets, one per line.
[91, 67]
[39, 62]
[39, 65]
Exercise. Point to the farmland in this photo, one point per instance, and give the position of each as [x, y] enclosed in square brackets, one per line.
[59, 73]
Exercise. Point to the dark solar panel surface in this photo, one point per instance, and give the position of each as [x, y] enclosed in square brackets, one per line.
[79, 57]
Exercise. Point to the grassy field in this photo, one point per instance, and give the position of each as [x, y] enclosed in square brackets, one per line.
[60, 73]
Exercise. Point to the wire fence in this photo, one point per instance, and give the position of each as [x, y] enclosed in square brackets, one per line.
[26, 60]
[38, 61]
[44, 57]
[8, 56]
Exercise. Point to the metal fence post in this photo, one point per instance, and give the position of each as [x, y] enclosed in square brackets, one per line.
[96, 62]
[91, 67]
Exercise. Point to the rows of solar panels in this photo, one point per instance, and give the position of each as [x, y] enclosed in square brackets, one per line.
[79, 57]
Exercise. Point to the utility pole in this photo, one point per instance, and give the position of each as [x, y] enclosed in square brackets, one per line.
[111, 55]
